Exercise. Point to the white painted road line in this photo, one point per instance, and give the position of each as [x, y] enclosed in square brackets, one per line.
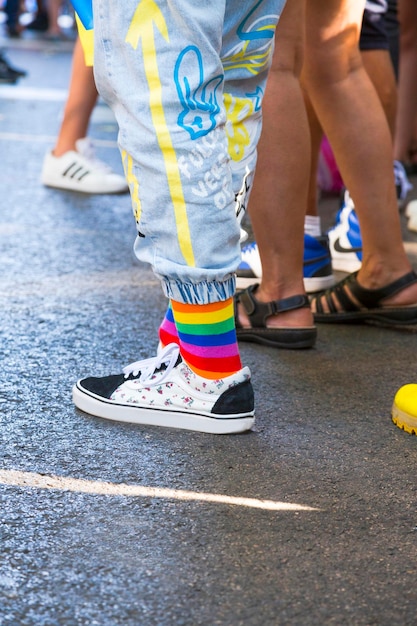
[18, 478]
[101, 113]
[104, 143]
[11, 92]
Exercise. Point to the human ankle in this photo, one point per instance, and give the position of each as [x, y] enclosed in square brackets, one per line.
[376, 275]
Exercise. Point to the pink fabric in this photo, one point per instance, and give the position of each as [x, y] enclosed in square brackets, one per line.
[328, 175]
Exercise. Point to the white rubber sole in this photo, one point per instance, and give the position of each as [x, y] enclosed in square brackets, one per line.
[242, 283]
[344, 264]
[311, 285]
[83, 187]
[318, 283]
[203, 423]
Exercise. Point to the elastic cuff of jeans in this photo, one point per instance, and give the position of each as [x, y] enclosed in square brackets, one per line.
[204, 292]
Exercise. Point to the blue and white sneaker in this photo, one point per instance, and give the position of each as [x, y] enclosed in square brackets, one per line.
[317, 267]
[402, 184]
[345, 238]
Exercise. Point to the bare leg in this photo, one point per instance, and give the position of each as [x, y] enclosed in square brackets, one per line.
[316, 134]
[353, 119]
[53, 8]
[407, 85]
[279, 195]
[378, 65]
[380, 70]
[82, 97]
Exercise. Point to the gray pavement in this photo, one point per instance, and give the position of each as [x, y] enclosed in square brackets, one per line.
[109, 524]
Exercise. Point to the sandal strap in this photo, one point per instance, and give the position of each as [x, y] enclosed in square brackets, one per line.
[372, 298]
[367, 298]
[335, 292]
[258, 312]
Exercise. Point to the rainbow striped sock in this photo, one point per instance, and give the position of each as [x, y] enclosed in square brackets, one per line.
[167, 330]
[207, 338]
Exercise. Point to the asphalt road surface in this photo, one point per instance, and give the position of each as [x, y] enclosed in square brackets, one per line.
[310, 519]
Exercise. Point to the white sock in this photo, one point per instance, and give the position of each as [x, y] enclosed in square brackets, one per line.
[312, 225]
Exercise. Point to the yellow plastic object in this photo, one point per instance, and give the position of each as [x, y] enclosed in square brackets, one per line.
[404, 409]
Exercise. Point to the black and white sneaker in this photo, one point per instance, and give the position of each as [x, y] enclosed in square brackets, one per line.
[164, 391]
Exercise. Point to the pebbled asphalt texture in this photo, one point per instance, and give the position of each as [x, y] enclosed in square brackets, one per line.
[77, 547]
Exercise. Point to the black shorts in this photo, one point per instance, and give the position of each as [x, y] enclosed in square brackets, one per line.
[374, 34]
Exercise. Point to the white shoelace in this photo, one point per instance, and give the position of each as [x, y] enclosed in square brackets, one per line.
[168, 356]
[85, 147]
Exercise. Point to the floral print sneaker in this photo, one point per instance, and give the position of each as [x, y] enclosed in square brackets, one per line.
[164, 391]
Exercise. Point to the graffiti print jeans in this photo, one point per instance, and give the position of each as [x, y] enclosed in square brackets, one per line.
[185, 79]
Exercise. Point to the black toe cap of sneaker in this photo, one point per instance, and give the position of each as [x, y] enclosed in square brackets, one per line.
[103, 387]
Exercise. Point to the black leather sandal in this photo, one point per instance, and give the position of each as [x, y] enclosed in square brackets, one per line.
[370, 309]
[258, 313]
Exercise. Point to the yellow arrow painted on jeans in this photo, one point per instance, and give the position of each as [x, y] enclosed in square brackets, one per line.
[147, 16]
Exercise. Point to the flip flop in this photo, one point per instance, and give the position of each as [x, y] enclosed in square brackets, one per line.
[370, 309]
[258, 312]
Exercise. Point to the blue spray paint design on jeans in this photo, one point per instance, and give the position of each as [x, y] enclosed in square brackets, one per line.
[200, 107]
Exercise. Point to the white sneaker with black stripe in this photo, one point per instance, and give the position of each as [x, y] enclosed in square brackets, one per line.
[79, 170]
